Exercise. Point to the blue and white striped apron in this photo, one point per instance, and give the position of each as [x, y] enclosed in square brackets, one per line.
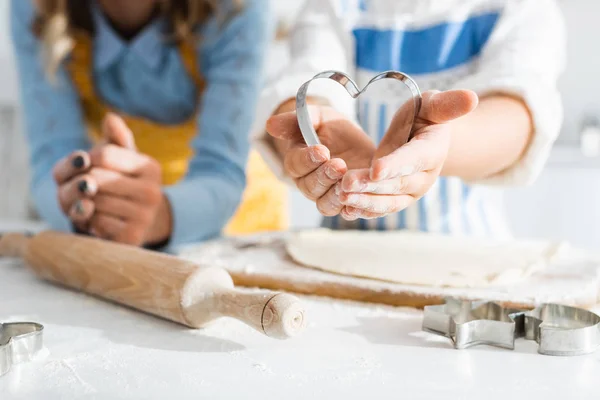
[436, 55]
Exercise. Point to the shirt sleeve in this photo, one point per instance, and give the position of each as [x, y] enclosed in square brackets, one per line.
[318, 42]
[53, 120]
[231, 58]
[524, 57]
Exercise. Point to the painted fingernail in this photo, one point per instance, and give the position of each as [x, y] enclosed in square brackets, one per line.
[82, 186]
[79, 210]
[78, 162]
[407, 170]
[317, 157]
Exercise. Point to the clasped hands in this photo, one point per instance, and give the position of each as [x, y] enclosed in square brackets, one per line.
[349, 175]
[114, 192]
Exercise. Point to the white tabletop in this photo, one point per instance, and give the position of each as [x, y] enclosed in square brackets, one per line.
[101, 350]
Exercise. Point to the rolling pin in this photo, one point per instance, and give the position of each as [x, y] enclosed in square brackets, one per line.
[156, 283]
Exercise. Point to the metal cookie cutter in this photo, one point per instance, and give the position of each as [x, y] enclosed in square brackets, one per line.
[469, 323]
[306, 126]
[562, 330]
[19, 342]
[559, 330]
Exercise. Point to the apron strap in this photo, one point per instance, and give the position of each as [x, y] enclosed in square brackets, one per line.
[80, 66]
[187, 50]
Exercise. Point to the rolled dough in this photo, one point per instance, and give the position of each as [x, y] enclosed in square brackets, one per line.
[420, 259]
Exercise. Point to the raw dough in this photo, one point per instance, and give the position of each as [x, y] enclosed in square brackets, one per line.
[420, 259]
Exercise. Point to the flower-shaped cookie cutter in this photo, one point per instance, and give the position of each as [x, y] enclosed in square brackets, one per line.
[306, 127]
[19, 342]
[559, 330]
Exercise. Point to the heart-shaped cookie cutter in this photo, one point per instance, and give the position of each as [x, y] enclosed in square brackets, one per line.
[306, 127]
[559, 330]
[19, 342]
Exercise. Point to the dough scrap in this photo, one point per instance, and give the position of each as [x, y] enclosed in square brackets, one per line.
[419, 258]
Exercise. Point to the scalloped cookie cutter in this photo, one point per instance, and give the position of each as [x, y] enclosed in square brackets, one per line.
[19, 342]
[306, 127]
[559, 330]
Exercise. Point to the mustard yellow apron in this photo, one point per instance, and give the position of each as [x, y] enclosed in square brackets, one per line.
[264, 203]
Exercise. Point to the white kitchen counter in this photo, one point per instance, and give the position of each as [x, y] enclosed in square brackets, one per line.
[95, 349]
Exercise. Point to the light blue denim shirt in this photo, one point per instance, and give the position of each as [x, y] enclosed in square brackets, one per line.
[145, 77]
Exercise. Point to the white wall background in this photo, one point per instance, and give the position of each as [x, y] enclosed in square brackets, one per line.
[580, 84]
[8, 87]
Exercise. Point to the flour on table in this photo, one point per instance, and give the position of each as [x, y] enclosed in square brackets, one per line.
[420, 259]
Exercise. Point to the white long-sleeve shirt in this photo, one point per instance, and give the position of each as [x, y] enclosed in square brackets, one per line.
[515, 47]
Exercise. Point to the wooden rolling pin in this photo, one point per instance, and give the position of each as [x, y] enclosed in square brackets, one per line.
[156, 283]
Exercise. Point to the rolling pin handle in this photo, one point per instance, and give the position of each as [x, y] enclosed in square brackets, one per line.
[283, 316]
[277, 315]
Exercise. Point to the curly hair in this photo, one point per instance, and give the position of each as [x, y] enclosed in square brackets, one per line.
[57, 21]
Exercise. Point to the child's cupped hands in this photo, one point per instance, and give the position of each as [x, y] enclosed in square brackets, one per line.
[350, 176]
[113, 191]
[318, 170]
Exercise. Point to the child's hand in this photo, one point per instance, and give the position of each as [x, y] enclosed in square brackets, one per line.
[317, 169]
[402, 173]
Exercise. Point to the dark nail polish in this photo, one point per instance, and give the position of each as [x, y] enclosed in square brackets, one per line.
[82, 186]
[79, 207]
[78, 162]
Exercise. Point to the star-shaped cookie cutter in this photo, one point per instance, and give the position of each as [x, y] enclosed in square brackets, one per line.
[469, 323]
[19, 342]
[559, 330]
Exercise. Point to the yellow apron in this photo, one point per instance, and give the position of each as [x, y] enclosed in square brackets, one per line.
[264, 203]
